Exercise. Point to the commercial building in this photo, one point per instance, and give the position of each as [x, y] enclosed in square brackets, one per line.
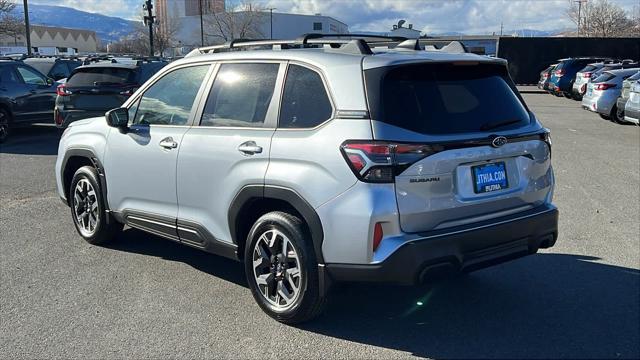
[49, 40]
[182, 19]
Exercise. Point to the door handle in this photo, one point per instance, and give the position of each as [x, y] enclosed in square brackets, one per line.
[249, 148]
[168, 143]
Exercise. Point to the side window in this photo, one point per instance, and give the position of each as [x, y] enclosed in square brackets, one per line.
[169, 100]
[305, 103]
[31, 77]
[240, 95]
[8, 75]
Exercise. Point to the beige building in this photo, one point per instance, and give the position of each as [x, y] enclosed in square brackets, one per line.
[44, 39]
[166, 9]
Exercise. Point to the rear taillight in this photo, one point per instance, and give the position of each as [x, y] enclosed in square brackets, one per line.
[380, 162]
[544, 76]
[62, 90]
[586, 75]
[377, 235]
[604, 86]
[559, 73]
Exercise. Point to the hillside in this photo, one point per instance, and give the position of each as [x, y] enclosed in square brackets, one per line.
[108, 28]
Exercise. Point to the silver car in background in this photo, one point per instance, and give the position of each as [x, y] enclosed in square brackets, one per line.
[632, 107]
[602, 93]
[624, 96]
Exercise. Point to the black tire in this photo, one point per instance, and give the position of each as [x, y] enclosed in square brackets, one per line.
[618, 115]
[5, 118]
[606, 117]
[309, 302]
[106, 227]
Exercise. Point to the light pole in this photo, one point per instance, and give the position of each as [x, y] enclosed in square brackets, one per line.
[201, 25]
[271, 22]
[27, 27]
[149, 20]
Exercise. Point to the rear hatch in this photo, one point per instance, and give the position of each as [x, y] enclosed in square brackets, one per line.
[98, 88]
[463, 146]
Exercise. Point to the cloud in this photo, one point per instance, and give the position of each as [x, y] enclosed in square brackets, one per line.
[431, 16]
[126, 9]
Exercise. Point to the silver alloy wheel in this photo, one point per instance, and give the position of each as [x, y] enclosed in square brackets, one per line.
[85, 205]
[277, 269]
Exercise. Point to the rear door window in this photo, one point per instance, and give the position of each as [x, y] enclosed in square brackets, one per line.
[8, 76]
[305, 103]
[445, 98]
[96, 76]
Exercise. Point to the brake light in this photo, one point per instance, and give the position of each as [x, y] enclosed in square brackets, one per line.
[377, 235]
[545, 75]
[380, 162]
[586, 75]
[559, 73]
[62, 90]
[604, 86]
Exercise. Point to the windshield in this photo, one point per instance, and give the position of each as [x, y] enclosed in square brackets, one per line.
[96, 76]
[446, 98]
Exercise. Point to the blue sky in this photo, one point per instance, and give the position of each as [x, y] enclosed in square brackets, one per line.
[432, 16]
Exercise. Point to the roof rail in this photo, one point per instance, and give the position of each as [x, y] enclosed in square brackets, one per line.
[347, 43]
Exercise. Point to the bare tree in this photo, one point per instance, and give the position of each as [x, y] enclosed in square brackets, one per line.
[241, 20]
[602, 18]
[10, 25]
[165, 33]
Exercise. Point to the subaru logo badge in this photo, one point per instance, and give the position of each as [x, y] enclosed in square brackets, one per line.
[498, 141]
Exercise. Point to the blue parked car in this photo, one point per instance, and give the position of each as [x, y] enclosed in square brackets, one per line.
[562, 78]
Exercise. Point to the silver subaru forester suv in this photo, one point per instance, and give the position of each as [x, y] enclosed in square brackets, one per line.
[319, 160]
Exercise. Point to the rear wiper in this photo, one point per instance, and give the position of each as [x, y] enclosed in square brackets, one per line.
[497, 124]
[98, 83]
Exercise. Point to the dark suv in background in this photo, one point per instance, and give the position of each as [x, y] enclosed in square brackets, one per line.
[93, 89]
[26, 96]
[562, 78]
[54, 67]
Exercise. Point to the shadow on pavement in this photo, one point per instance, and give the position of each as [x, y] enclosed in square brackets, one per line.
[34, 140]
[139, 242]
[545, 305]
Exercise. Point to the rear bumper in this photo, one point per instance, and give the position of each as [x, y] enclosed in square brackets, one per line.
[460, 249]
[63, 118]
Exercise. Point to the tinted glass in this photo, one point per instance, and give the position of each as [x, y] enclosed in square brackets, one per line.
[31, 76]
[604, 77]
[169, 100]
[447, 99]
[59, 71]
[305, 103]
[589, 68]
[635, 76]
[148, 70]
[95, 76]
[8, 75]
[240, 95]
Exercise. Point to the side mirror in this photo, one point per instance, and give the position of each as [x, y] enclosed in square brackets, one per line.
[118, 118]
[50, 81]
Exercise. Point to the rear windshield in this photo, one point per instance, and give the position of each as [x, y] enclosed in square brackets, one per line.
[589, 68]
[604, 77]
[445, 98]
[102, 76]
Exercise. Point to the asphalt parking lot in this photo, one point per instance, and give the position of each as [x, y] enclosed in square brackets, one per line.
[145, 297]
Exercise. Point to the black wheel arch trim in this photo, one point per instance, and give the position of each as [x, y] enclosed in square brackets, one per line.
[253, 192]
[91, 156]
